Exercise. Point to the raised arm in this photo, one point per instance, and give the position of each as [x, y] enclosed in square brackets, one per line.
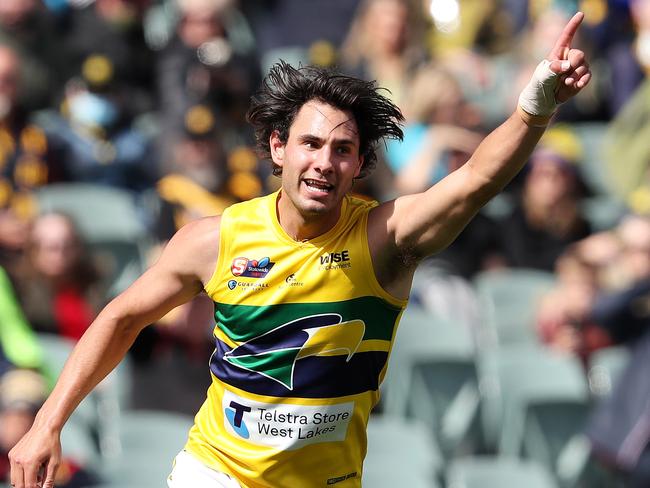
[186, 263]
[418, 225]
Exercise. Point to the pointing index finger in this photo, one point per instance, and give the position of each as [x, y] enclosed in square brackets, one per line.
[563, 44]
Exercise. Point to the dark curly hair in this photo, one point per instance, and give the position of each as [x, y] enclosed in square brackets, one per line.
[286, 89]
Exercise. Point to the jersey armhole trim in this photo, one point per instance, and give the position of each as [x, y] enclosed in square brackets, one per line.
[211, 286]
[374, 283]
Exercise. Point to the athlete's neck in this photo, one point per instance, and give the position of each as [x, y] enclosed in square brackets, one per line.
[301, 227]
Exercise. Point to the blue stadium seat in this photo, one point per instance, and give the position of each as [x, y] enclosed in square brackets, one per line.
[509, 299]
[535, 404]
[400, 449]
[432, 378]
[148, 443]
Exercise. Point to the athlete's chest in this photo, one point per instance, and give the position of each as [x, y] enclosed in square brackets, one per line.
[282, 273]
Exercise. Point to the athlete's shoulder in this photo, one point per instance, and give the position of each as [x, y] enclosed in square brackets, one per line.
[196, 244]
[250, 212]
[200, 229]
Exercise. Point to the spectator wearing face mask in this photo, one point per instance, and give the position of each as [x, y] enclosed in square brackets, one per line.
[99, 140]
[114, 30]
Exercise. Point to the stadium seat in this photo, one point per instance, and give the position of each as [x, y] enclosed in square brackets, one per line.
[396, 477]
[420, 335]
[56, 350]
[101, 212]
[79, 445]
[400, 449]
[149, 441]
[100, 410]
[509, 300]
[535, 404]
[602, 212]
[434, 374]
[486, 472]
[432, 378]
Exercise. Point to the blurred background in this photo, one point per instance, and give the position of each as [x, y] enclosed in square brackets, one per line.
[523, 356]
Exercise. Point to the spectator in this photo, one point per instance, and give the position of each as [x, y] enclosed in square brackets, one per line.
[627, 52]
[18, 345]
[437, 142]
[27, 28]
[100, 143]
[22, 384]
[289, 30]
[625, 140]
[28, 159]
[547, 218]
[618, 426]
[634, 264]
[113, 29]
[22, 391]
[564, 320]
[196, 184]
[204, 63]
[493, 82]
[59, 287]
[196, 181]
[597, 274]
[385, 43]
[436, 128]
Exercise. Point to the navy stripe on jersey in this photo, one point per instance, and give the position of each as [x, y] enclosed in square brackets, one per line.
[311, 377]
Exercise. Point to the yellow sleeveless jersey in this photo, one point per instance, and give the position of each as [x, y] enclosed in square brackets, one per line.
[303, 335]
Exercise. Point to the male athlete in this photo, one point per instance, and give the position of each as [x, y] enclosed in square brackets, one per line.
[308, 285]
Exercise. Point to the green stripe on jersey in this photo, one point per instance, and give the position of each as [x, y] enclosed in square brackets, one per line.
[379, 316]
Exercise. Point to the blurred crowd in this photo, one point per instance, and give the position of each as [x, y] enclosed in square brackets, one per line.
[149, 97]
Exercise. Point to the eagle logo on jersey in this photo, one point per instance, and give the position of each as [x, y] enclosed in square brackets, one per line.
[275, 353]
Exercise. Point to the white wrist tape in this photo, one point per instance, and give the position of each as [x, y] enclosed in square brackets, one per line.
[538, 97]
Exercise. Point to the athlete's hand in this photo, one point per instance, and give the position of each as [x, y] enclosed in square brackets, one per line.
[557, 78]
[575, 74]
[35, 458]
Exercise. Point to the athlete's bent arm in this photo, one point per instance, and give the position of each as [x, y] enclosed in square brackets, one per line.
[184, 266]
[419, 225]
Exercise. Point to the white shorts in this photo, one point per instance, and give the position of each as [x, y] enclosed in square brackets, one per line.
[189, 472]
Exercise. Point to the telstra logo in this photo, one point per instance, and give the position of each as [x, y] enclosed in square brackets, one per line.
[235, 416]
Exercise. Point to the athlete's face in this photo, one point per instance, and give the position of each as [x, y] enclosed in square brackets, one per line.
[319, 160]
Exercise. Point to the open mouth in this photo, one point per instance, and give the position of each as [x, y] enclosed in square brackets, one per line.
[318, 186]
